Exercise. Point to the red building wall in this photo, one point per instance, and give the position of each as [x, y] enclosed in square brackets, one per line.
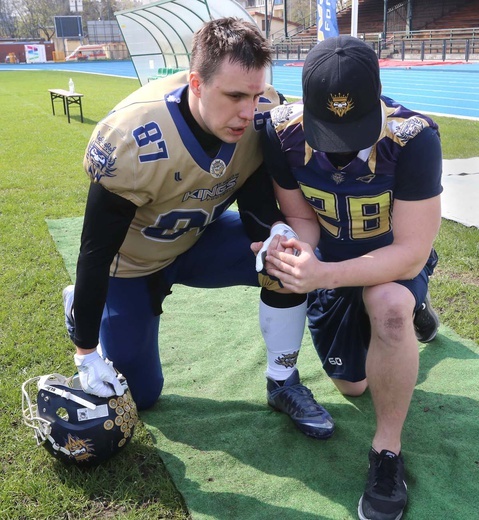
[19, 49]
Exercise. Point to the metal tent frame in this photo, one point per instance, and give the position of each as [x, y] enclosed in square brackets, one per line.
[159, 35]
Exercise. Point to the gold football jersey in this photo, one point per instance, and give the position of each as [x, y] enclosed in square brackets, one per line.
[145, 152]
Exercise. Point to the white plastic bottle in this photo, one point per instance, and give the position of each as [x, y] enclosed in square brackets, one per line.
[71, 86]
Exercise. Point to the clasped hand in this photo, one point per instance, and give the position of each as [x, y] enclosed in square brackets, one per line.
[291, 261]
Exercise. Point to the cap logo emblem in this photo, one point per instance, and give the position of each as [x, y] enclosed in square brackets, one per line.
[340, 104]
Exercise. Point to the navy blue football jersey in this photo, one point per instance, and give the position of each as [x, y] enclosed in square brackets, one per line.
[354, 203]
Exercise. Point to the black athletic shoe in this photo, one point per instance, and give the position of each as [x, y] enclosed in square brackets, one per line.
[426, 322]
[297, 401]
[385, 495]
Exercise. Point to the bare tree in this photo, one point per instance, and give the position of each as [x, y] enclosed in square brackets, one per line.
[7, 19]
[304, 11]
[35, 18]
[106, 9]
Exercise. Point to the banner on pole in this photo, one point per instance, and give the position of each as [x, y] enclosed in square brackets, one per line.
[326, 19]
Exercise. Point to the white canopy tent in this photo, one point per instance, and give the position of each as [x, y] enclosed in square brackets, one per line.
[158, 35]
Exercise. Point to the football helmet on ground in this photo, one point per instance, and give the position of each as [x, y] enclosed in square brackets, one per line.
[76, 427]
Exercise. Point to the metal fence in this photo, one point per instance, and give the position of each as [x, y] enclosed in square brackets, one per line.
[438, 45]
[432, 49]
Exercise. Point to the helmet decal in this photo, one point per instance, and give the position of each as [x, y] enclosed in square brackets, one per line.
[80, 449]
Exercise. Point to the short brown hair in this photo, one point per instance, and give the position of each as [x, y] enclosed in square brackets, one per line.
[238, 40]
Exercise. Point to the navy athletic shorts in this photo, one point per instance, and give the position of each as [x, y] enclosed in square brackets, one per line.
[340, 327]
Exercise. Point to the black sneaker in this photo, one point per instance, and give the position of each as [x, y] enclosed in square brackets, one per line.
[385, 495]
[426, 322]
[294, 399]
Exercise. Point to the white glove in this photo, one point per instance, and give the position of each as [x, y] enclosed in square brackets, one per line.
[279, 229]
[97, 375]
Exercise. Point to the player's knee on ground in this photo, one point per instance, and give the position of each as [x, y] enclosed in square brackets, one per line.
[145, 394]
[349, 388]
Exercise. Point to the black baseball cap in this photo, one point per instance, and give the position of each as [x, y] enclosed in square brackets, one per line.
[341, 95]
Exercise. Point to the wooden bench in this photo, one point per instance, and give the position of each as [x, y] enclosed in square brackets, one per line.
[68, 98]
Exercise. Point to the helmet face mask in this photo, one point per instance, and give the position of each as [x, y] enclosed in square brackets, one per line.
[76, 427]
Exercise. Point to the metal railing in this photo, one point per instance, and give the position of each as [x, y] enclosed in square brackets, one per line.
[432, 49]
[438, 44]
[429, 44]
[287, 51]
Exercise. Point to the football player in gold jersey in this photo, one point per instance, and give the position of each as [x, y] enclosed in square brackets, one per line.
[165, 164]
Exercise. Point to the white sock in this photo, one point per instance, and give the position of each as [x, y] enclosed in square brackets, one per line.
[282, 330]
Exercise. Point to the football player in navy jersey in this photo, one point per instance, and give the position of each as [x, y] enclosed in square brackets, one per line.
[165, 164]
[358, 178]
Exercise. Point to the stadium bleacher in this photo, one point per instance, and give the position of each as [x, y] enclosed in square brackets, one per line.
[456, 21]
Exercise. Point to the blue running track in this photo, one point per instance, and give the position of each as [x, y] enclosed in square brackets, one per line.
[451, 90]
[437, 89]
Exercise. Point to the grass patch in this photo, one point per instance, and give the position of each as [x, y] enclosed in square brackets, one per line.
[41, 177]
